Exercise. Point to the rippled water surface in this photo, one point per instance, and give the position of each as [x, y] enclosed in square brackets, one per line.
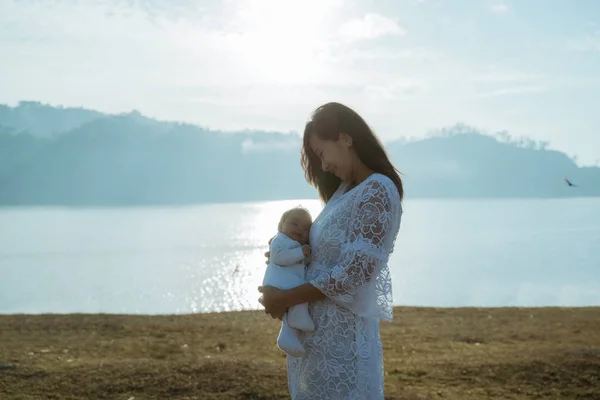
[210, 257]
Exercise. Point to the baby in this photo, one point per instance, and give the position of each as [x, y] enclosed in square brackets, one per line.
[290, 253]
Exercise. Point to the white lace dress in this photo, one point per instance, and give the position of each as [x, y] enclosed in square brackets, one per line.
[351, 241]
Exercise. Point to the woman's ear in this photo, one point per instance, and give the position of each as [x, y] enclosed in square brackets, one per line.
[346, 139]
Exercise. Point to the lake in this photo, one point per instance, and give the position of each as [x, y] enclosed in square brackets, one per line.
[159, 260]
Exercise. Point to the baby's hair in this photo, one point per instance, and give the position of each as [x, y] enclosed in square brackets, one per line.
[289, 212]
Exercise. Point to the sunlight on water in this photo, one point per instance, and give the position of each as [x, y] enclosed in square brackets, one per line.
[262, 220]
[247, 267]
[211, 257]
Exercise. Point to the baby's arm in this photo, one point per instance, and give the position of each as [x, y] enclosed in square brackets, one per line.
[283, 256]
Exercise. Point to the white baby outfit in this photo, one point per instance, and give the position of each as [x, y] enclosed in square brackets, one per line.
[287, 265]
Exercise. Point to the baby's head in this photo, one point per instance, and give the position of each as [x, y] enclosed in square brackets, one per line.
[295, 223]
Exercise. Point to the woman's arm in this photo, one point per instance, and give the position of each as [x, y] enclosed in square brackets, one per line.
[363, 258]
[277, 301]
[301, 294]
[366, 247]
[361, 280]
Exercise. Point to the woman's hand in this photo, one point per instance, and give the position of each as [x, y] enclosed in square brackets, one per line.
[268, 253]
[306, 250]
[273, 300]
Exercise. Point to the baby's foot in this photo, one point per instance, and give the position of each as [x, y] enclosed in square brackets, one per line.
[289, 343]
[299, 318]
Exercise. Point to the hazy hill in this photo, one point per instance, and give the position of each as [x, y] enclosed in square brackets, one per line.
[44, 120]
[465, 163]
[129, 159]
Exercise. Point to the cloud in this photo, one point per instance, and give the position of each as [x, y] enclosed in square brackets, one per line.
[496, 82]
[495, 75]
[370, 27]
[514, 90]
[499, 8]
[397, 55]
[587, 44]
[394, 91]
[250, 146]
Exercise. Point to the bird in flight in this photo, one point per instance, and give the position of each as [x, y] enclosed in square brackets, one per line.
[570, 183]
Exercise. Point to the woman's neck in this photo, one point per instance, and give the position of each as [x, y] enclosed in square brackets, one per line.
[360, 173]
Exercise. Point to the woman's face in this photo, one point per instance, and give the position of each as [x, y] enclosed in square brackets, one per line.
[334, 155]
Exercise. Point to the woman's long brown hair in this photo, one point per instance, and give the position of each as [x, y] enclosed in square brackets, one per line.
[327, 122]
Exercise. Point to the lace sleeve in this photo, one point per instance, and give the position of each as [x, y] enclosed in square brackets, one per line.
[361, 281]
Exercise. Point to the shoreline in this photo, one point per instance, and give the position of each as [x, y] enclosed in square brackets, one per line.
[429, 353]
[396, 309]
[183, 205]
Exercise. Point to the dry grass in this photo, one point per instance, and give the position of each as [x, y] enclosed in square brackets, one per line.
[503, 353]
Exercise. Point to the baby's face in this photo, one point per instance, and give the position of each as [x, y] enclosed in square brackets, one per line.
[297, 226]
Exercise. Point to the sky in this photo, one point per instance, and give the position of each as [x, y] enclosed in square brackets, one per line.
[409, 67]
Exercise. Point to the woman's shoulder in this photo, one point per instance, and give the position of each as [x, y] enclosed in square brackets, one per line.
[381, 182]
[384, 179]
[381, 188]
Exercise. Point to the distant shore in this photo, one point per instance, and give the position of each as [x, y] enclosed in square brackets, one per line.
[108, 205]
[430, 353]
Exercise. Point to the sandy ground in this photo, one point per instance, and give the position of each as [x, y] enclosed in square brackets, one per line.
[468, 353]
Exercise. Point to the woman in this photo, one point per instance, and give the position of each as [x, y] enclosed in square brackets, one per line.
[349, 287]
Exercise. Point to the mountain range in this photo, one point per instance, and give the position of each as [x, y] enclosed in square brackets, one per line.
[78, 157]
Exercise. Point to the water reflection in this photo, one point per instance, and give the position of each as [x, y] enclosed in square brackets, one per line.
[210, 258]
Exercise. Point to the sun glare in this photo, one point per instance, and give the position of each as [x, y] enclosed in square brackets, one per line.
[262, 226]
[283, 41]
[267, 215]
